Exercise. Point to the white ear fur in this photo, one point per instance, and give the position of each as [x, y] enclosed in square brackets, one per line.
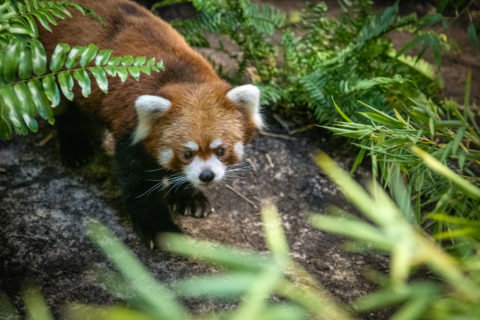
[248, 97]
[148, 108]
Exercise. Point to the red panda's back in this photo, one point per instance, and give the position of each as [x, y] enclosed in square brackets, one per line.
[129, 29]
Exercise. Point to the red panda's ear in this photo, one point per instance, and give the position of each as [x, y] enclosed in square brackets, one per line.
[148, 108]
[248, 97]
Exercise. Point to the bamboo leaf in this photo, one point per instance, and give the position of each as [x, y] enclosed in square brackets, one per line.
[7, 310]
[35, 305]
[274, 235]
[358, 160]
[343, 115]
[226, 286]
[235, 259]
[438, 167]
[160, 300]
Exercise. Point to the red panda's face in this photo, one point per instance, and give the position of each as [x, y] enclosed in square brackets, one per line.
[198, 130]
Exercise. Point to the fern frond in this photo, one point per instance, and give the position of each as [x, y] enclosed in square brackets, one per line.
[419, 65]
[264, 20]
[377, 25]
[349, 87]
[19, 17]
[23, 97]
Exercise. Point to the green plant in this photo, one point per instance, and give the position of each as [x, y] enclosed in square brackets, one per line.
[451, 289]
[349, 57]
[442, 130]
[450, 11]
[249, 277]
[29, 85]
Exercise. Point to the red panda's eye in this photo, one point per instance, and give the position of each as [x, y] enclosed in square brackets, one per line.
[220, 151]
[188, 155]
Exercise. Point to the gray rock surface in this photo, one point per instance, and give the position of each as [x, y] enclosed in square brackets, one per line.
[44, 206]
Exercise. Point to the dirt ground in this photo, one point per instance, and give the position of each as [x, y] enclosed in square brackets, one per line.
[44, 205]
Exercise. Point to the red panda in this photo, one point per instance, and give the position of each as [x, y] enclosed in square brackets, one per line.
[174, 131]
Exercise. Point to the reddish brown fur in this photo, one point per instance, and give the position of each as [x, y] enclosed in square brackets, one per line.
[199, 109]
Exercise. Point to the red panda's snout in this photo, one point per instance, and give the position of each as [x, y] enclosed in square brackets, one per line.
[200, 131]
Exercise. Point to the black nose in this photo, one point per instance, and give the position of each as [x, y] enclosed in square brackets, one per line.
[207, 176]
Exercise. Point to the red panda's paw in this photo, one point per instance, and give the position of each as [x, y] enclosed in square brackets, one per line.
[197, 206]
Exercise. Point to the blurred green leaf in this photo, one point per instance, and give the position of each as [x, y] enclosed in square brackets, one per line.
[436, 166]
[7, 310]
[160, 301]
[274, 235]
[35, 306]
[234, 259]
[472, 36]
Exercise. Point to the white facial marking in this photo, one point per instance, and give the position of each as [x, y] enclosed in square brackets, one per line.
[215, 143]
[165, 156]
[148, 108]
[195, 168]
[238, 148]
[248, 97]
[191, 145]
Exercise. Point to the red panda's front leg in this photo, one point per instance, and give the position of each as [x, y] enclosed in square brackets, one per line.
[141, 190]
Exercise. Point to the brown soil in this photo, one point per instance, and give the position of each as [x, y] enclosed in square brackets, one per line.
[44, 205]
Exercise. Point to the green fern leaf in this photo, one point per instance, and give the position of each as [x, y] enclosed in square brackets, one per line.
[24, 98]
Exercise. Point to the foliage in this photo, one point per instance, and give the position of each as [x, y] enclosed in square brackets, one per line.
[452, 290]
[29, 85]
[273, 286]
[450, 11]
[440, 129]
[250, 279]
[349, 57]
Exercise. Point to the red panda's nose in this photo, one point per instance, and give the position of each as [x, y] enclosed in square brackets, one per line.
[206, 176]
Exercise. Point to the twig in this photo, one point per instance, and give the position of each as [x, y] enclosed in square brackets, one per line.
[251, 165]
[270, 162]
[241, 196]
[302, 129]
[281, 122]
[277, 135]
[45, 140]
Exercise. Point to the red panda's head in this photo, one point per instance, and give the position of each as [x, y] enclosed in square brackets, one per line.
[198, 129]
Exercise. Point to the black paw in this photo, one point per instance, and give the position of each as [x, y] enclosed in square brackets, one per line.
[150, 228]
[196, 206]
